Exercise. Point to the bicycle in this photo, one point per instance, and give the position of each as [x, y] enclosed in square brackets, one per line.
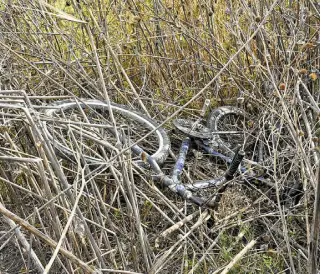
[77, 113]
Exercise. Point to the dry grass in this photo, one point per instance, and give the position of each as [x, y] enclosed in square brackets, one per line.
[163, 58]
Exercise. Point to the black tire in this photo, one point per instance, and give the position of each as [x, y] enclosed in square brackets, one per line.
[216, 123]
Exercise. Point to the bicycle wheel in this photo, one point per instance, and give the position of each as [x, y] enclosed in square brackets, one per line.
[229, 118]
[85, 127]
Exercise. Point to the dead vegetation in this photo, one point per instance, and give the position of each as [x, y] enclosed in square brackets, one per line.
[163, 58]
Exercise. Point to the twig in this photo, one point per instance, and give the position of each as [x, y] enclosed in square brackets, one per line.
[315, 231]
[157, 266]
[207, 252]
[25, 244]
[65, 230]
[238, 256]
[177, 225]
[46, 239]
[120, 66]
